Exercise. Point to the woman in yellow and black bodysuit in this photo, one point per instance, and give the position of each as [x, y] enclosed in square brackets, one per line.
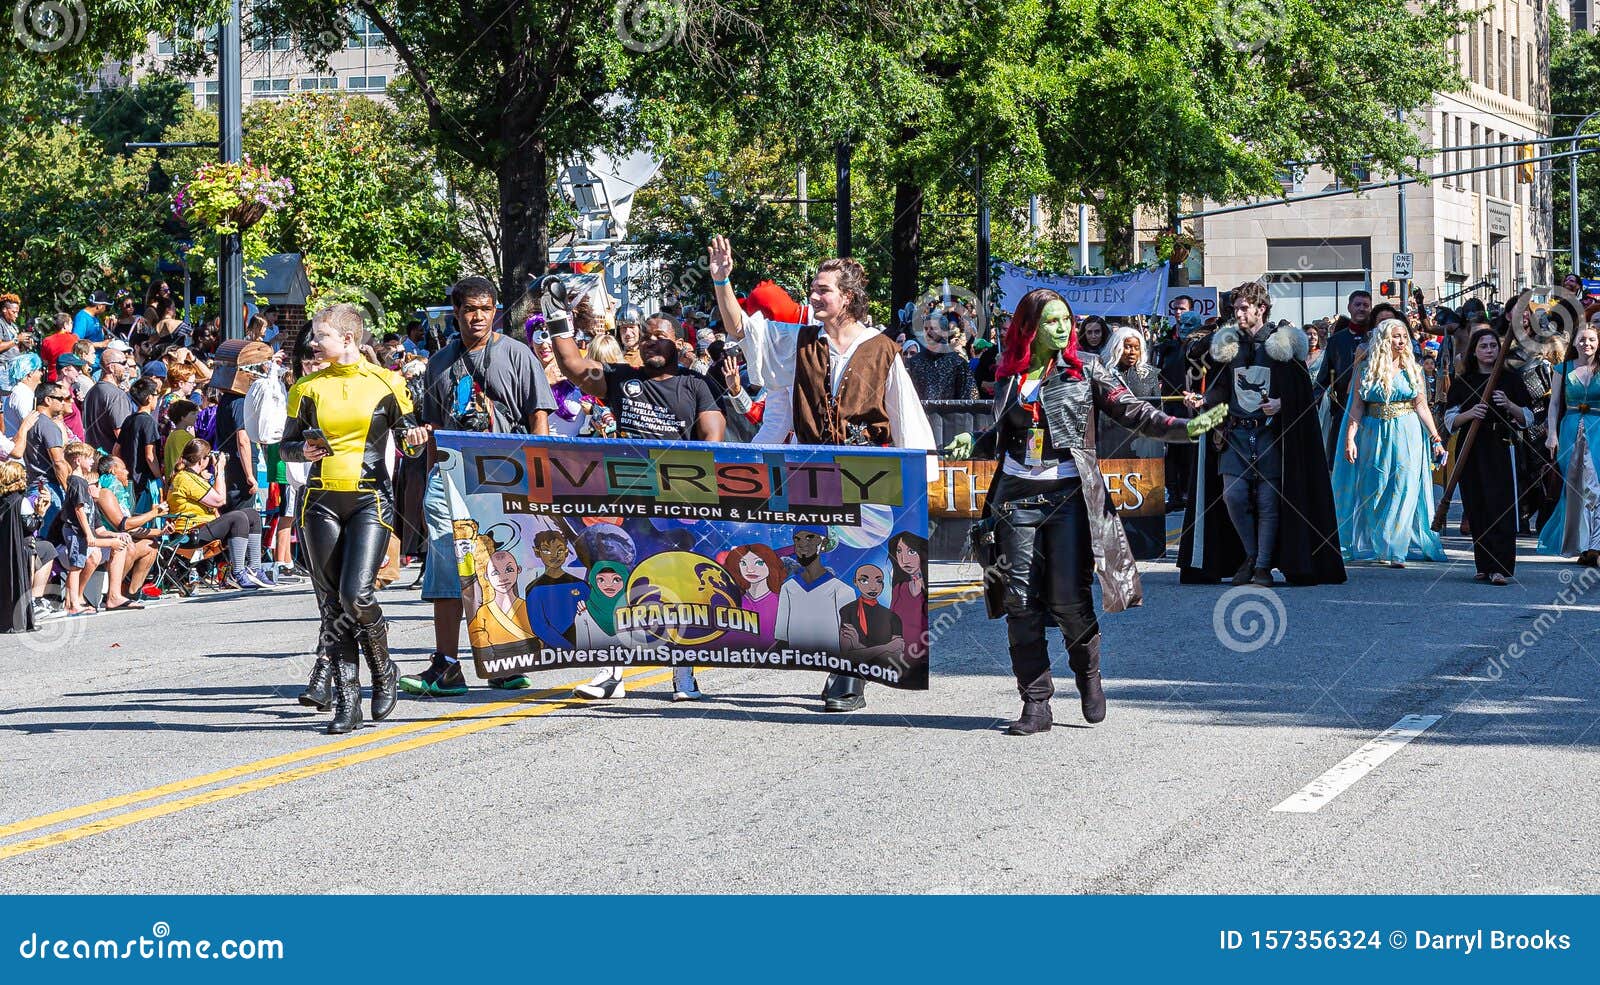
[340, 419]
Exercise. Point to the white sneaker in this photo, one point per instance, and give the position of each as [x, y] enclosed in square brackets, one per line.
[604, 686]
[683, 685]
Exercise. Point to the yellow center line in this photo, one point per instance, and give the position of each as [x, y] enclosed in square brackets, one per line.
[299, 773]
[287, 759]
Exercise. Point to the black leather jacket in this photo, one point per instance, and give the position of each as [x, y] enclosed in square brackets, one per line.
[1068, 414]
[1067, 411]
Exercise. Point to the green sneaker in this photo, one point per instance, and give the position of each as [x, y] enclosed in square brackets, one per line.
[441, 679]
[516, 682]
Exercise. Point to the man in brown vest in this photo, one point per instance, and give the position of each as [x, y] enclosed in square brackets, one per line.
[848, 385]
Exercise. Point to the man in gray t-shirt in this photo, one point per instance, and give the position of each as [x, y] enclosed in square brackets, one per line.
[481, 381]
[501, 373]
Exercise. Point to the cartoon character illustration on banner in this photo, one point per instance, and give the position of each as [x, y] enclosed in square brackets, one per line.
[908, 558]
[503, 617]
[868, 630]
[553, 597]
[465, 532]
[758, 571]
[809, 604]
[596, 624]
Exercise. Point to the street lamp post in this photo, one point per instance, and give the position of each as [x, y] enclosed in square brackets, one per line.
[1572, 195]
[230, 254]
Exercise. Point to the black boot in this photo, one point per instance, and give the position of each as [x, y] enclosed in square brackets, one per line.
[346, 695]
[318, 693]
[844, 694]
[1036, 689]
[1084, 659]
[374, 639]
[1035, 718]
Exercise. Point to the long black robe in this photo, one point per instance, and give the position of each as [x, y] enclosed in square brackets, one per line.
[16, 612]
[1489, 474]
[1308, 532]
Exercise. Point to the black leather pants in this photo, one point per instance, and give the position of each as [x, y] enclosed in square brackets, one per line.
[1042, 541]
[346, 535]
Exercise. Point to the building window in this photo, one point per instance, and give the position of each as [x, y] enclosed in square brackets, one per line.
[1477, 262]
[1195, 264]
[1500, 71]
[367, 83]
[268, 87]
[1461, 156]
[1488, 56]
[1475, 158]
[313, 82]
[260, 40]
[1312, 278]
[364, 33]
[1533, 75]
[1516, 70]
[1472, 54]
[1453, 259]
[1580, 15]
[206, 94]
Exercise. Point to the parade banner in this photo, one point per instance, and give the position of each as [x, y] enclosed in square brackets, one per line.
[1204, 300]
[1137, 487]
[1142, 292]
[592, 553]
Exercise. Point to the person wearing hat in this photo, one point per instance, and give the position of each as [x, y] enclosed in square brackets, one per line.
[87, 325]
[72, 372]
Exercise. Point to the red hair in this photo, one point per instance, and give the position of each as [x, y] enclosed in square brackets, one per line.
[1016, 349]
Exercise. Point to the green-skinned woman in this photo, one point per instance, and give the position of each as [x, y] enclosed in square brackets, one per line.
[1054, 532]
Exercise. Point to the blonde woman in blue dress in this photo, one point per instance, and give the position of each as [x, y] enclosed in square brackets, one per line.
[1574, 527]
[1383, 482]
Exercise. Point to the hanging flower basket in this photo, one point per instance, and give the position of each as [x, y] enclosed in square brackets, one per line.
[1175, 246]
[231, 198]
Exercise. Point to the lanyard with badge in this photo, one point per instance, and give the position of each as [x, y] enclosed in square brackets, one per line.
[1034, 455]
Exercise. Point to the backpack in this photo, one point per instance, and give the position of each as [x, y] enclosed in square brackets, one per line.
[266, 409]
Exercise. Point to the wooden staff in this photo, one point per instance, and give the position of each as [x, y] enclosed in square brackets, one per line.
[1443, 509]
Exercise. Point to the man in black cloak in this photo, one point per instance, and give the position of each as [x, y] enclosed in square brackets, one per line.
[1261, 497]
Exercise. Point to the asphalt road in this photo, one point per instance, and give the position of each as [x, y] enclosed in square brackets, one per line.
[161, 751]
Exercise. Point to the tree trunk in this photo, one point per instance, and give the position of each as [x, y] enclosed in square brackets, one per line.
[905, 245]
[524, 221]
[1116, 226]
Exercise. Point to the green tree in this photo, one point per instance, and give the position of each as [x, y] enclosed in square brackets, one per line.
[1574, 88]
[76, 218]
[366, 212]
[515, 89]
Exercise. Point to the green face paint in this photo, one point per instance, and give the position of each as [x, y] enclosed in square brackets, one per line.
[1055, 332]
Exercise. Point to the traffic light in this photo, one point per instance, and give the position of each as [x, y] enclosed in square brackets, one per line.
[1389, 289]
[1525, 169]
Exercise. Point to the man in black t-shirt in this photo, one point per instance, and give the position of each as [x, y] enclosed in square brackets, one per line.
[234, 441]
[138, 445]
[660, 400]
